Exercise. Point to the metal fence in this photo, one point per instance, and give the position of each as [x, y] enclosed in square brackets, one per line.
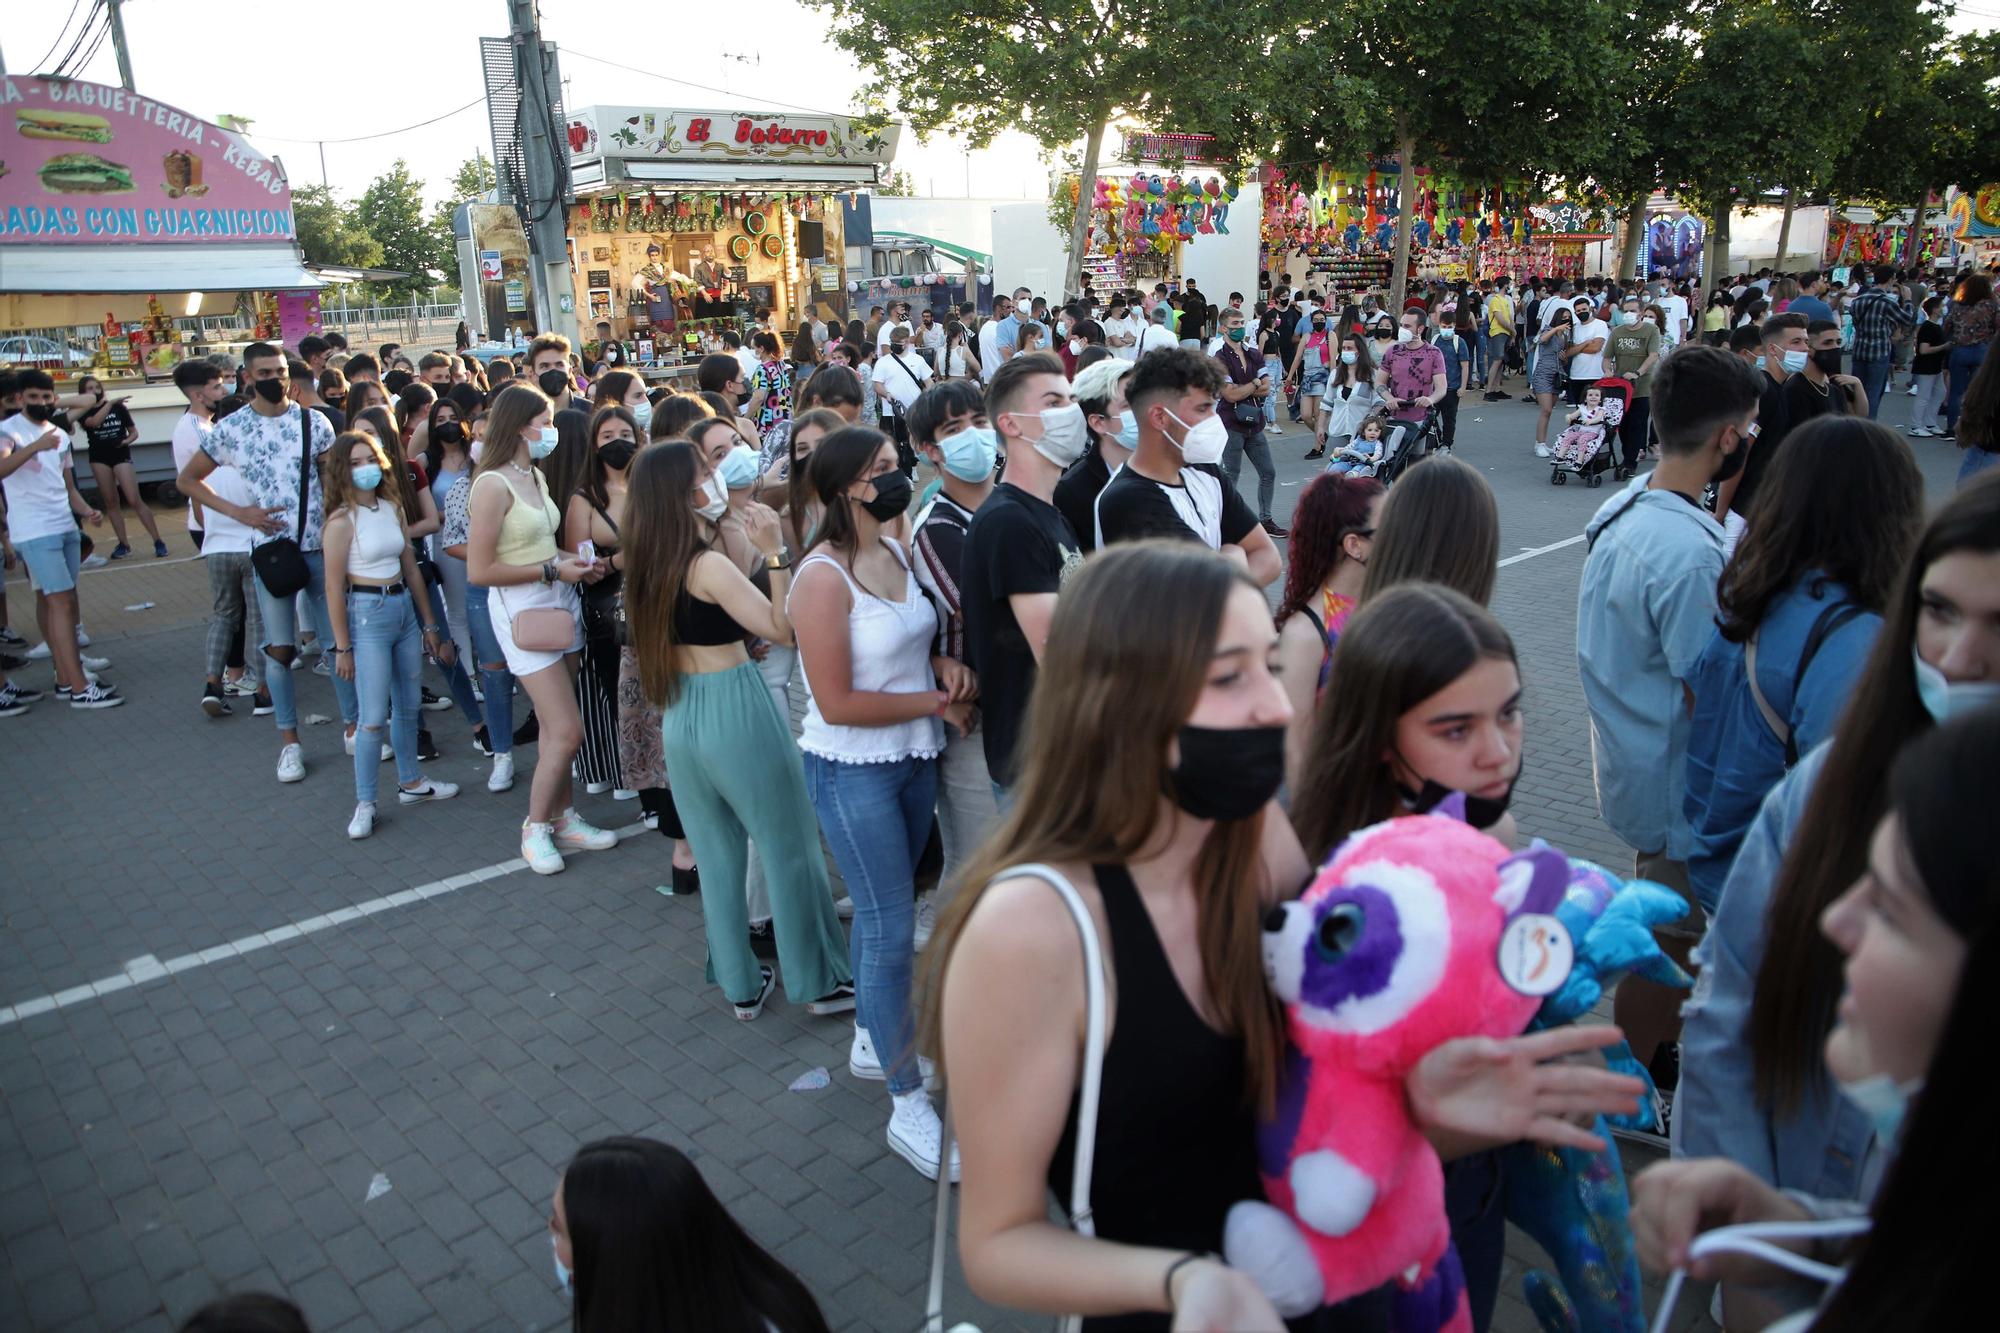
[71, 348]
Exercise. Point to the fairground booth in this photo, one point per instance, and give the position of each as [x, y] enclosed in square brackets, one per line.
[691, 221]
[133, 236]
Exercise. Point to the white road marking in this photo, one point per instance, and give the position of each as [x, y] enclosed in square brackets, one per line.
[1530, 552]
[146, 968]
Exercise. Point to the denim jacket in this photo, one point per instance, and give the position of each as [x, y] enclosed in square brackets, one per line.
[1823, 1147]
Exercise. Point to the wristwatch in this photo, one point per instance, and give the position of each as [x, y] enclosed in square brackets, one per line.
[782, 559]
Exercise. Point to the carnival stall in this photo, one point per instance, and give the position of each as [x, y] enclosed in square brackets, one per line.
[1973, 223]
[1863, 236]
[134, 235]
[692, 221]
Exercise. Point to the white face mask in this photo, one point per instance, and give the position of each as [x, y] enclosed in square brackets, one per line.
[1404, 335]
[1064, 434]
[718, 497]
[1205, 439]
[1946, 699]
[642, 412]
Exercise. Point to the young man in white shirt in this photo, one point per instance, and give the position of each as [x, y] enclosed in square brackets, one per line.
[899, 320]
[1586, 349]
[225, 548]
[1156, 334]
[990, 355]
[37, 476]
[900, 375]
[1122, 329]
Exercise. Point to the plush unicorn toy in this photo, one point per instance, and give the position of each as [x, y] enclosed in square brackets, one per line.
[1418, 930]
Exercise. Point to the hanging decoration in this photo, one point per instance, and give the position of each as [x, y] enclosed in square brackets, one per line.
[1151, 215]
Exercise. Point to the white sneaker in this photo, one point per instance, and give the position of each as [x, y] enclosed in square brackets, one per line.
[624, 794]
[574, 833]
[1912, 391]
[1922, 432]
[596, 788]
[40, 652]
[845, 907]
[82, 638]
[348, 742]
[292, 763]
[502, 776]
[538, 849]
[863, 1062]
[926, 918]
[323, 667]
[429, 789]
[94, 561]
[363, 822]
[1542, 451]
[95, 663]
[917, 1135]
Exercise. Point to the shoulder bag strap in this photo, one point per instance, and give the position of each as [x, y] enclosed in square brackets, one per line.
[1830, 619]
[1087, 1097]
[305, 468]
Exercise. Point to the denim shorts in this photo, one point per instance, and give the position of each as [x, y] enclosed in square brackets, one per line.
[53, 560]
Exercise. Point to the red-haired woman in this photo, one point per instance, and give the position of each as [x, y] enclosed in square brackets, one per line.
[1332, 530]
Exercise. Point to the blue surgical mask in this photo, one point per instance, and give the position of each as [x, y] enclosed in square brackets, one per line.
[970, 454]
[1884, 1101]
[367, 477]
[564, 1278]
[739, 467]
[642, 412]
[1128, 428]
[1794, 362]
[1946, 699]
[544, 444]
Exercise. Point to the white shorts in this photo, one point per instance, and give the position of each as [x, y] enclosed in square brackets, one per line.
[503, 604]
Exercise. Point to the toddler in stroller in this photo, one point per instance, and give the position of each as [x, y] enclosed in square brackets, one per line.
[1362, 455]
[1581, 449]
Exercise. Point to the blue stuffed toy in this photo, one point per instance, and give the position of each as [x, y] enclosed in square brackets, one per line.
[1574, 1202]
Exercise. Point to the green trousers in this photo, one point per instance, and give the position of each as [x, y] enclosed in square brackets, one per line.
[737, 777]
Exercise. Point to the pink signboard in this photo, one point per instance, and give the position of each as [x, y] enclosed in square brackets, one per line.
[88, 164]
[298, 315]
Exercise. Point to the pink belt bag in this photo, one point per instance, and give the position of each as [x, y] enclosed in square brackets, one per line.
[541, 629]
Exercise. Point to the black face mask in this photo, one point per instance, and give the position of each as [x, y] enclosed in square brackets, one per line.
[892, 497]
[449, 432]
[38, 413]
[617, 454]
[555, 383]
[271, 390]
[1828, 360]
[1228, 772]
[1481, 812]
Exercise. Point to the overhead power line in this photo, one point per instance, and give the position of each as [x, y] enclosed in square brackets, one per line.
[689, 83]
[385, 134]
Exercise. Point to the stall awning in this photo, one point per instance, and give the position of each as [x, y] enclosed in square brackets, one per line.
[601, 175]
[53, 269]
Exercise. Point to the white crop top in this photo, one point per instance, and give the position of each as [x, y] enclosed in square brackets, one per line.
[889, 648]
[377, 553]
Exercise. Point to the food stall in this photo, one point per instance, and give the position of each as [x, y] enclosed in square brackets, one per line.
[134, 235]
[689, 221]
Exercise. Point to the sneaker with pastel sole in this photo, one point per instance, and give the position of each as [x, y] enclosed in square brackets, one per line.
[538, 849]
[574, 833]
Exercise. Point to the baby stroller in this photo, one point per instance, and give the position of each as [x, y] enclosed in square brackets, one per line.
[1592, 465]
[1409, 444]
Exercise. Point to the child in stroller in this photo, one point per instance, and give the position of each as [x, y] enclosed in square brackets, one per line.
[1581, 449]
[1363, 454]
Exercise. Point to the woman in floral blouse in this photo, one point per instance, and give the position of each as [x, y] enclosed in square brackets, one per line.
[771, 386]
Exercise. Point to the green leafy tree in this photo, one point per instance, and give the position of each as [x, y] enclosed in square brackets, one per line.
[392, 209]
[329, 231]
[1479, 88]
[473, 178]
[1628, 163]
[898, 186]
[1059, 70]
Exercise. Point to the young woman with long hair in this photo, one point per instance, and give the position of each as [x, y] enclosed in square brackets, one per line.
[1152, 754]
[642, 1242]
[675, 413]
[372, 586]
[961, 353]
[1802, 598]
[770, 402]
[1333, 530]
[736, 770]
[1914, 931]
[1970, 328]
[1752, 1087]
[480, 649]
[1439, 524]
[512, 551]
[874, 697]
[610, 441]
[623, 388]
[1349, 396]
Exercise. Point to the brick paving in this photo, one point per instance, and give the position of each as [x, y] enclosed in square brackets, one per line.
[210, 1105]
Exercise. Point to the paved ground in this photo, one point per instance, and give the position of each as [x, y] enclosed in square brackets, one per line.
[225, 1030]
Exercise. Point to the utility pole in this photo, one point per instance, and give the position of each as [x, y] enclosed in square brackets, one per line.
[118, 43]
[325, 184]
[547, 209]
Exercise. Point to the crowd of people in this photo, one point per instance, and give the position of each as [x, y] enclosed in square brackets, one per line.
[1061, 654]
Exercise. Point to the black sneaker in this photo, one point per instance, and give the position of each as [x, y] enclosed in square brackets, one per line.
[427, 749]
[1665, 1070]
[528, 732]
[433, 702]
[15, 702]
[1527, 398]
[763, 940]
[260, 703]
[481, 742]
[97, 696]
[839, 1000]
[19, 693]
[9, 662]
[1271, 526]
[749, 1009]
[213, 703]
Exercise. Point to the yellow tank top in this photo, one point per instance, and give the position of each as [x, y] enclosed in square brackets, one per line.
[527, 532]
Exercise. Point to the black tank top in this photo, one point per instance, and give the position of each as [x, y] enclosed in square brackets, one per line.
[1175, 1144]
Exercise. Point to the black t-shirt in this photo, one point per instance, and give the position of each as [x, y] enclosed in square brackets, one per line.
[109, 431]
[1017, 545]
[334, 416]
[1933, 364]
[1194, 314]
[1201, 507]
[1076, 495]
[1774, 422]
[1804, 400]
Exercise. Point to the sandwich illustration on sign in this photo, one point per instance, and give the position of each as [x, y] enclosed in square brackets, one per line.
[85, 173]
[71, 126]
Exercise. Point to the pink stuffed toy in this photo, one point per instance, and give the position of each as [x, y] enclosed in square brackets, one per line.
[1417, 931]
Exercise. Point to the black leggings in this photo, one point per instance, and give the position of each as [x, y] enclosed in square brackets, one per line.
[660, 801]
